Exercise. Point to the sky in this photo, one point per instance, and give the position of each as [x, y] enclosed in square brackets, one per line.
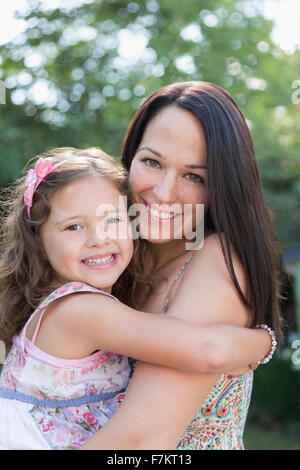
[286, 14]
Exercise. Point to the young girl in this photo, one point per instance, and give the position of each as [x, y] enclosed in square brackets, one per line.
[61, 381]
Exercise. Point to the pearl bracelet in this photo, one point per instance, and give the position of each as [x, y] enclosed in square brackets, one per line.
[266, 359]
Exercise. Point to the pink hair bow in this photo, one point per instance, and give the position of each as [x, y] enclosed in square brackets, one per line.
[34, 177]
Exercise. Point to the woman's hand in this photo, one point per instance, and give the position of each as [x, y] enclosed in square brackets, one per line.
[160, 402]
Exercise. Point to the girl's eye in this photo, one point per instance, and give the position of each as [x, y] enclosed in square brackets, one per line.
[151, 162]
[195, 178]
[72, 229]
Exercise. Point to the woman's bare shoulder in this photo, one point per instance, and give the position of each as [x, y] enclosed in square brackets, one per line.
[212, 243]
[206, 293]
[212, 258]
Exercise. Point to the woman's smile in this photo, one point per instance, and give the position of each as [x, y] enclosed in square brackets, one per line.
[168, 175]
[161, 213]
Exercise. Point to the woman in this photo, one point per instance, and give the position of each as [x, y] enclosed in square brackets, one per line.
[189, 144]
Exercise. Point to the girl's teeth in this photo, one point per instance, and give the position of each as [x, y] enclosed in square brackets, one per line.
[105, 260]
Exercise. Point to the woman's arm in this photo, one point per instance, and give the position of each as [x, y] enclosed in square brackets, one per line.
[158, 406]
[161, 402]
[234, 346]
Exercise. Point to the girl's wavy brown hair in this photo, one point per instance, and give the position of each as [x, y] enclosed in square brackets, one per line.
[25, 273]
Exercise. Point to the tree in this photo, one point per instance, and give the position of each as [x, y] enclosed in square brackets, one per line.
[71, 81]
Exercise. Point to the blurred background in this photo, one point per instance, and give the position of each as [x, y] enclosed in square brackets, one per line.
[73, 72]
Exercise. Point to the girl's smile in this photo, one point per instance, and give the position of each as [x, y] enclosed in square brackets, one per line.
[81, 245]
[101, 261]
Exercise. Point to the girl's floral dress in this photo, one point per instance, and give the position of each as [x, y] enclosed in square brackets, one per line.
[52, 403]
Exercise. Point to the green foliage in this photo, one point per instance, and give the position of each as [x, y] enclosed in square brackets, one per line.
[276, 392]
[271, 437]
[96, 85]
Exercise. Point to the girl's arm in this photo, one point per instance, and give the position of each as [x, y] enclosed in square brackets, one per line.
[160, 402]
[104, 323]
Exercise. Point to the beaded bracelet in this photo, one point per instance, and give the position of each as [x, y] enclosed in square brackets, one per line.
[266, 359]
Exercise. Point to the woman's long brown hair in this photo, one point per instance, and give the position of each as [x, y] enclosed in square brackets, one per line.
[237, 210]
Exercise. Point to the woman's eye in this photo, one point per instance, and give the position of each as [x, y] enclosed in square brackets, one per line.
[74, 227]
[151, 162]
[195, 178]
